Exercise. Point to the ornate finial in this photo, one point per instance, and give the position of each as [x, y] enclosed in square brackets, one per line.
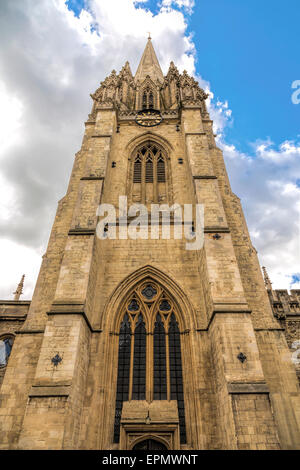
[268, 283]
[19, 290]
[149, 37]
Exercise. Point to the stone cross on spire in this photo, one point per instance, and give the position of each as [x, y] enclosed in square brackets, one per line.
[19, 290]
[149, 65]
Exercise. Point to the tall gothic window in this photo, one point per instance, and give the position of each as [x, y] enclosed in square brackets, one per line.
[5, 349]
[139, 361]
[148, 98]
[176, 384]
[149, 175]
[144, 100]
[151, 100]
[149, 361]
[123, 372]
[160, 364]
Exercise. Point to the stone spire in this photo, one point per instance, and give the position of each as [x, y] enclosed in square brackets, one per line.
[149, 65]
[267, 280]
[19, 290]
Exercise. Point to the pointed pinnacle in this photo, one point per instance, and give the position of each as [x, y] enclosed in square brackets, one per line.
[149, 65]
[19, 290]
[267, 280]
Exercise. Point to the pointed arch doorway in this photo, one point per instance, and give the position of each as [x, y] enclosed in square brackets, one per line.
[149, 444]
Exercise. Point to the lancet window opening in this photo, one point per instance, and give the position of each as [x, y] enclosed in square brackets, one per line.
[149, 167]
[6, 344]
[149, 359]
[148, 101]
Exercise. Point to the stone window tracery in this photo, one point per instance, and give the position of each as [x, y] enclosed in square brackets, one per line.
[6, 343]
[148, 101]
[149, 360]
[149, 175]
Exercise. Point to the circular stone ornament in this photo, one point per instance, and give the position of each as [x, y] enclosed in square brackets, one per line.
[148, 117]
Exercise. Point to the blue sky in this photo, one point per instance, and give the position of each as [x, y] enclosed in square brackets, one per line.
[249, 51]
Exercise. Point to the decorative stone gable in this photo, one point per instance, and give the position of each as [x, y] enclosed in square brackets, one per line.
[124, 93]
[107, 94]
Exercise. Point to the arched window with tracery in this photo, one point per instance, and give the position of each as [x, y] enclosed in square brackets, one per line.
[149, 176]
[6, 343]
[148, 98]
[151, 100]
[144, 105]
[149, 360]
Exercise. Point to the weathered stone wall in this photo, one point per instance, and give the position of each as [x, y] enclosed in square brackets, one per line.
[254, 422]
[230, 403]
[15, 388]
[12, 316]
[52, 417]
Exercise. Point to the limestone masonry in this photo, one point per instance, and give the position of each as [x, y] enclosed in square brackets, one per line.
[142, 344]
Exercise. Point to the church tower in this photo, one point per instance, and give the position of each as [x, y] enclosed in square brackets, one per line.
[143, 343]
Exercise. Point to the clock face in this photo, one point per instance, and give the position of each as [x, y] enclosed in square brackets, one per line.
[148, 118]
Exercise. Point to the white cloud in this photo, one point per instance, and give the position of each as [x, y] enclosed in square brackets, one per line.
[220, 114]
[123, 30]
[266, 180]
[271, 201]
[17, 259]
[188, 5]
[11, 109]
[83, 25]
[287, 151]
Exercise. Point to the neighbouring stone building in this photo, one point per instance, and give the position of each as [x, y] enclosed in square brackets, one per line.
[141, 343]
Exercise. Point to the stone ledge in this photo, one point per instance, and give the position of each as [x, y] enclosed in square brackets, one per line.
[101, 135]
[205, 177]
[92, 178]
[216, 230]
[245, 388]
[52, 383]
[50, 391]
[70, 305]
[29, 332]
[12, 317]
[160, 222]
[195, 133]
[69, 309]
[271, 328]
[81, 231]
[191, 106]
[231, 307]
[229, 310]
